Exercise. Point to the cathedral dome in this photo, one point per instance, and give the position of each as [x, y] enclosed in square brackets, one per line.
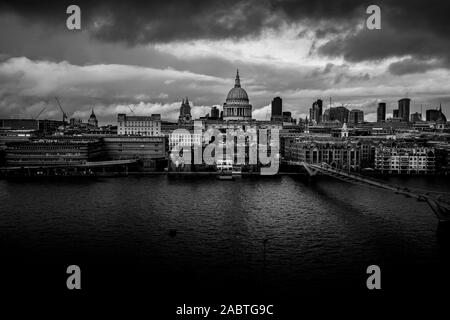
[237, 106]
[237, 95]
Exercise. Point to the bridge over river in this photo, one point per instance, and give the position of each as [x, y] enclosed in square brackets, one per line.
[439, 202]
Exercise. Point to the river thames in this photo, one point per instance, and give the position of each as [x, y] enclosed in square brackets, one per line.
[273, 236]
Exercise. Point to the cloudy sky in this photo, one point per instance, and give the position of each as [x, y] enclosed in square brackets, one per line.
[151, 54]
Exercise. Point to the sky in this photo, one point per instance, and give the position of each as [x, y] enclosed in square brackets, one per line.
[149, 55]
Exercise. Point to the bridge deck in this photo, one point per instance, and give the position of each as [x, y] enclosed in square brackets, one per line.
[440, 207]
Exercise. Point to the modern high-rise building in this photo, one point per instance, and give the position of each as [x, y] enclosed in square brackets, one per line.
[277, 109]
[381, 112]
[315, 113]
[395, 113]
[403, 109]
[337, 113]
[356, 116]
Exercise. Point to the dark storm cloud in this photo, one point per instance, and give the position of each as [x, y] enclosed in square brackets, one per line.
[117, 58]
[415, 28]
[408, 66]
[135, 21]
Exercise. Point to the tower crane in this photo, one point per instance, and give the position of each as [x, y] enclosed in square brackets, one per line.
[64, 115]
[40, 112]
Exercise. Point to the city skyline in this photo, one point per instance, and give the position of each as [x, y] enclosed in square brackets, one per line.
[225, 159]
[298, 51]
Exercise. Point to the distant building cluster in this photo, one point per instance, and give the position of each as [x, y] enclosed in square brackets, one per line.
[405, 143]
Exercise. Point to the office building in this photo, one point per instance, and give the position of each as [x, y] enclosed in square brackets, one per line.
[54, 151]
[150, 151]
[404, 160]
[341, 154]
[403, 109]
[381, 112]
[315, 113]
[356, 117]
[337, 113]
[44, 127]
[277, 109]
[138, 125]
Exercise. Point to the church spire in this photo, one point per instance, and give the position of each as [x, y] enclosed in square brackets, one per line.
[237, 82]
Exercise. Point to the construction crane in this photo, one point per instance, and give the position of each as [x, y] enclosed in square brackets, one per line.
[131, 108]
[64, 115]
[40, 112]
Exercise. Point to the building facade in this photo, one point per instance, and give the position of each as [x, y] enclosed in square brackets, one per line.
[403, 109]
[54, 151]
[336, 113]
[315, 113]
[404, 159]
[277, 109]
[356, 117]
[381, 112]
[340, 154]
[150, 151]
[138, 125]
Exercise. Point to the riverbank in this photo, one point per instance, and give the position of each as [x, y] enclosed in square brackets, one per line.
[15, 175]
[143, 173]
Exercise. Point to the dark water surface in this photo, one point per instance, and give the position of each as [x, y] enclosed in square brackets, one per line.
[200, 237]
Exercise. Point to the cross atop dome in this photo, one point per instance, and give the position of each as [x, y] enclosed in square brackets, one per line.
[237, 82]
